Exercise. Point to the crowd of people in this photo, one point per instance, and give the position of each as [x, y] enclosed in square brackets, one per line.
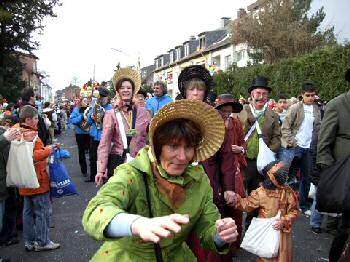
[176, 176]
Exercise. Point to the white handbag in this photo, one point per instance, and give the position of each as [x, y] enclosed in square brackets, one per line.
[261, 238]
[265, 155]
[20, 165]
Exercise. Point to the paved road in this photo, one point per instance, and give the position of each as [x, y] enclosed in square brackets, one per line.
[77, 246]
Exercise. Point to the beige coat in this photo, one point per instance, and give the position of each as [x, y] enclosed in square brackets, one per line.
[293, 121]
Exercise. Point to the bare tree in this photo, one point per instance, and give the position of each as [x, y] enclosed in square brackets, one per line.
[281, 29]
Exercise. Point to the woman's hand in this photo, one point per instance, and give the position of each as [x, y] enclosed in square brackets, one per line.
[278, 225]
[227, 230]
[237, 149]
[153, 229]
[12, 134]
[99, 179]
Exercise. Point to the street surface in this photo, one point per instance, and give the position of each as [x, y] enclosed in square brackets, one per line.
[77, 246]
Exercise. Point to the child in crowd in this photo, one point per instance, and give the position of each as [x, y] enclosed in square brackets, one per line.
[36, 201]
[273, 196]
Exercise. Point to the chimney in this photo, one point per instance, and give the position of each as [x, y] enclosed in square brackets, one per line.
[241, 13]
[192, 38]
[224, 21]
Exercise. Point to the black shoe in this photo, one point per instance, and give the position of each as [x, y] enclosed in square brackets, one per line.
[12, 241]
[316, 230]
[88, 180]
[84, 174]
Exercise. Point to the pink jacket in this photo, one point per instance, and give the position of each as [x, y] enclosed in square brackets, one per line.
[111, 141]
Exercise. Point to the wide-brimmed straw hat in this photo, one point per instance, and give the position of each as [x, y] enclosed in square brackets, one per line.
[191, 72]
[130, 73]
[206, 117]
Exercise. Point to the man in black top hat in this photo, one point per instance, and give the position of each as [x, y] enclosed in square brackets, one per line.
[334, 144]
[268, 121]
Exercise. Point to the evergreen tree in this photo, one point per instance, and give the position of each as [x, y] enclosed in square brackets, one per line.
[18, 21]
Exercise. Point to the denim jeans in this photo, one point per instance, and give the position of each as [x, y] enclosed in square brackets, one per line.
[296, 159]
[315, 218]
[2, 213]
[36, 219]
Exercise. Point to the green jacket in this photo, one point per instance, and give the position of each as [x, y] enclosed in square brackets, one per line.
[334, 136]
[4, 154]
[125, 192]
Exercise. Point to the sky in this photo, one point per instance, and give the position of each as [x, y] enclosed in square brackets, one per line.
[86, 33]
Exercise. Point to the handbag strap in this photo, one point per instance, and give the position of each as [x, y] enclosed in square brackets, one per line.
[251, 130]
[121, 129]
[157, 249]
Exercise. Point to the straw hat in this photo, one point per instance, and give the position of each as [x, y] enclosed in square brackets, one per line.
[206, 117]
[128, 73]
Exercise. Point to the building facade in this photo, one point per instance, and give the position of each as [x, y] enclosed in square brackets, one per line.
[212, 49]
[30, 74]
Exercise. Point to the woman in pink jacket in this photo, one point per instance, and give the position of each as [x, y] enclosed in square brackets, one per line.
[126, 122]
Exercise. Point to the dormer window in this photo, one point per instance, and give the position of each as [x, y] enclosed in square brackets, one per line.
[161, 61]
[202, 42]
[171, 56]
[187, 49]
[178, 54]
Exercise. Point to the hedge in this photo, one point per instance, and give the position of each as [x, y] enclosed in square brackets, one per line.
[325, 67]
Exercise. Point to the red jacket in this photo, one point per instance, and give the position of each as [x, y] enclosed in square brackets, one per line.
[41, 154]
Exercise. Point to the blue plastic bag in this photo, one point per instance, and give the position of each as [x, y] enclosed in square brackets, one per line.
[64, 153]
[60, 182]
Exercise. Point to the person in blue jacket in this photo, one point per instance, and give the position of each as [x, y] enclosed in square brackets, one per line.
[82, 129]
[95, 119]
[160, 98]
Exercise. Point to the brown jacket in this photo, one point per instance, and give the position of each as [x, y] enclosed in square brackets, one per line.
[293, 121]
[41, 154]
[271, 130]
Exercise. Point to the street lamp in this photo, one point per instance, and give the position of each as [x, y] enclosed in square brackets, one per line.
[133, 57]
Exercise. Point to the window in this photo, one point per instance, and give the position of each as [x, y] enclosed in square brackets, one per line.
[228, 61]
[187, 49]
[178, 54]
[171, 57]
[240, 55]
[161, 63]
[202, 42]
[170, 77]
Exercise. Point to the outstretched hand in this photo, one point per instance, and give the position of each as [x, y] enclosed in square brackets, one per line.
[227, 230]
[153, 229]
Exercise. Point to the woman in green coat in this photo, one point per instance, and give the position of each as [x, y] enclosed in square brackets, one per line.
[151, 204]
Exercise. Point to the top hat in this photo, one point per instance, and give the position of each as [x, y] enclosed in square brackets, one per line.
[103, 92]
[259, 82]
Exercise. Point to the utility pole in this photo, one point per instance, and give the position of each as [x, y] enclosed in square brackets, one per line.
[93, 78]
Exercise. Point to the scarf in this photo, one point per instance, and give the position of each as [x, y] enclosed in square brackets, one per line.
[175, 193]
